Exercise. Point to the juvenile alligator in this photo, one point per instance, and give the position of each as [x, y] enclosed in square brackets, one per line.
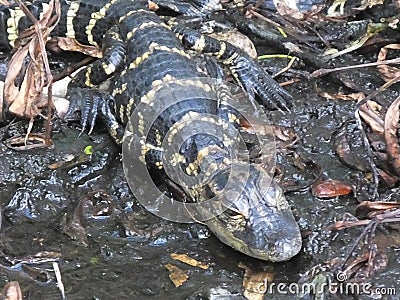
[149, 65]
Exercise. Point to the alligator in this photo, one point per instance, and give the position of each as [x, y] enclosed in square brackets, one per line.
[149, 65]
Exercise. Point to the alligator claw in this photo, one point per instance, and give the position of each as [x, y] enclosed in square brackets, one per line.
[93, 105]
[88, 102]
[255, 80]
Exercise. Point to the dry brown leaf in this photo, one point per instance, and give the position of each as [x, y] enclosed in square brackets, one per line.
[389, 179]
[239, 40]
[331, 188]
[365, 208]
[285, 9]
[371, 113]
[255, 283]
[25, 100]
[188, 260]
[177, 276]
[366, 265]
[391, 138]
[68, 44]
[11, 291]
[30, 141]
[388, 72]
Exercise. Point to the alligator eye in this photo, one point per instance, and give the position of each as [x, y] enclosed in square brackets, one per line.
[271, 194]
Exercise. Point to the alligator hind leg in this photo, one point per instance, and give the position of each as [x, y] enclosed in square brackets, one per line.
[248, 73]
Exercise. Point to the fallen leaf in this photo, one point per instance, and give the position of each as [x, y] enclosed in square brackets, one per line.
[11, 291]
[371, 113]
[286, 9]
[388, 72]
[30, 141]
[68, 44]
[331, 188]
[239, 40]
[188, 260]
[177, 276]
[391, 138]
[255, 283]
[153, 6]
[365, 208]
[342, 96]
[368, 4]
[25, 99]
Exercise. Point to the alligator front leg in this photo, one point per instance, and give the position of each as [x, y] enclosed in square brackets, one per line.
[83, 90]
[114, 55]
[94, 104]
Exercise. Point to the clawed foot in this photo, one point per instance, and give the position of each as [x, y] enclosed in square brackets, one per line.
[92, 105]
[256, 81]
[89, 102]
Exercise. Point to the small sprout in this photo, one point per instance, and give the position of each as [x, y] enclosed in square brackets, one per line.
[88, 150]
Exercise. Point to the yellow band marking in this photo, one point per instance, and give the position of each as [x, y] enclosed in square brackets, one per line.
[146, 147]
[108, 68]
[119, 90]
[230, 60]
[177, 158]
[138, 11]
[200, 44]
[159, 84]
[145, 25]
[96, 16]
[152, 48]
[221, 51]
[12, 24]
[129, 107]
[88, 83]
[71, 14]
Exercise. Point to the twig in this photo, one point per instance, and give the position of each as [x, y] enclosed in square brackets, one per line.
[71, 69]
[322, 72]
[364, 135]
[387, 217]
[379, 90]
[367, 148]
[285, 69]
[59, 281]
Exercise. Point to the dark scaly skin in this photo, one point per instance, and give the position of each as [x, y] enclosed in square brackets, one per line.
[265, 227]
[191, 8]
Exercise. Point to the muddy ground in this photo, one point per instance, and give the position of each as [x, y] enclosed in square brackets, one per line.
[38, 204]
[83, 216]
